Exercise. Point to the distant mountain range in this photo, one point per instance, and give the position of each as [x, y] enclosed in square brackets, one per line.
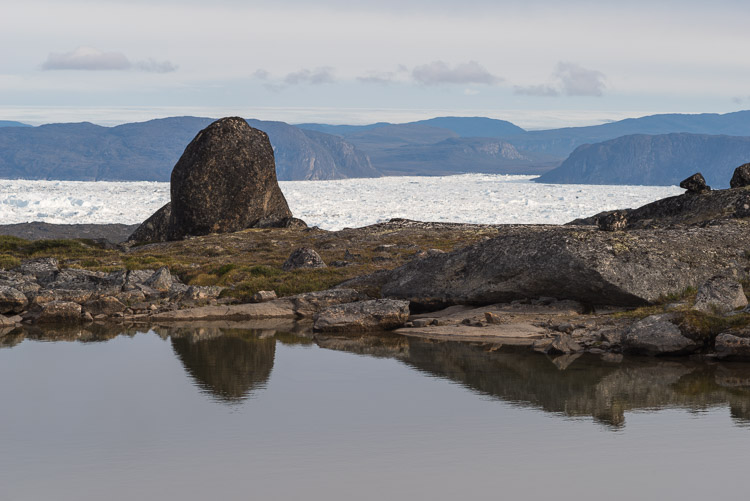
[664, 159]
[658, 149]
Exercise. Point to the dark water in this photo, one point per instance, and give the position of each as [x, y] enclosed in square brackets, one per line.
[246, 414]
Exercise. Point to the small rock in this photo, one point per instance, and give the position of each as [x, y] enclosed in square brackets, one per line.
[197, 292]
[86, 317]
[657, 335]
[303, 258]
[420, 322]
[731, 345]
[12, 300]
[435, 322]
[64, 312]
[263, 296]
[409, 324]
[107, 305]
[614, 221]
[492, 318]
[161, 280]
[695, 184]
[466, 321]
[741, 176]
[375, 314]
[340, 264]
[563, 344]
[720, 295]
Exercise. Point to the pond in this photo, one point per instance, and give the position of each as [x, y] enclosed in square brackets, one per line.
[226, 413]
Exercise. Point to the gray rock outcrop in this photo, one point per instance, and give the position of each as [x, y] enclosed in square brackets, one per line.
[720, 295]
[587, 265]
[225, 181]
[657, 335]
[375, 314]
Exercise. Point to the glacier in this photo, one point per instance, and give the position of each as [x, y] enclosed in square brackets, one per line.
[332, 205]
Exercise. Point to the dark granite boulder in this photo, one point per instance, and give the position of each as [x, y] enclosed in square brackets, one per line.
[695, 184]
[225, 181]
[741, 177]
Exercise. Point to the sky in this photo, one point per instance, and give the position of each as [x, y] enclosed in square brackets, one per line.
[539, 64]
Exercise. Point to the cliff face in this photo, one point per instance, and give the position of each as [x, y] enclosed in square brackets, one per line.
[653, 160]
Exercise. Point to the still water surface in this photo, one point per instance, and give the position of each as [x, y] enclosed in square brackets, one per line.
[247, 414]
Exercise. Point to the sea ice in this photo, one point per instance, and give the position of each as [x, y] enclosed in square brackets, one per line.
[331, 205]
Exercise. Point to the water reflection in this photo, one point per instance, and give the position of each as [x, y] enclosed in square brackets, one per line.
[575, 386]
[227, 363]
[231, 362]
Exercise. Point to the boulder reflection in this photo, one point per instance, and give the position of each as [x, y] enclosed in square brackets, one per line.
[228, 364]
[583, 386]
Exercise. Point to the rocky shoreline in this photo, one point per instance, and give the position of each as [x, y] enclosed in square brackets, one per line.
[669, 278]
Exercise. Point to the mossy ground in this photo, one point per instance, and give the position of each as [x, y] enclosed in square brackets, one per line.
[251, 260]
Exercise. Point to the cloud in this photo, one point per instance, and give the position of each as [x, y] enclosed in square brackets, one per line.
[569, 79]
[439, 72]
[153, 66]
[536, 90]
[322, 75]
[579, 81]
[86, 58]
[90, 59]
[261, 74]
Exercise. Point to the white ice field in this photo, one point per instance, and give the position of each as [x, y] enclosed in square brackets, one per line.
[469, 198]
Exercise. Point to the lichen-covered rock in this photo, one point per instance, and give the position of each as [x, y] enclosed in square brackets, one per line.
[63, 312]
[613, 221]
[43, 269]
[197, 292]
[303, 258]
[263, 296]
[161, 280]
[225, 181]
[720, 294]
[733, 344]
[657, 335]
[12, 300]
[582, 264]
[106, 305]
[741, 176]
[695, 184]
[375, 314]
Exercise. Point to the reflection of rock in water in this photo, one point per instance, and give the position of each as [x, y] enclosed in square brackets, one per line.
[584, 386]
[588, 387]
[230, 365]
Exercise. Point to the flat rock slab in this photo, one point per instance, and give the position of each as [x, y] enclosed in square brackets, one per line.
[234, 311]
[518, 334]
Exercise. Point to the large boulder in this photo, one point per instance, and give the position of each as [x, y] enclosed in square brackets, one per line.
[225, 181]
[584, 264]
[733, 344]
[375, 314]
